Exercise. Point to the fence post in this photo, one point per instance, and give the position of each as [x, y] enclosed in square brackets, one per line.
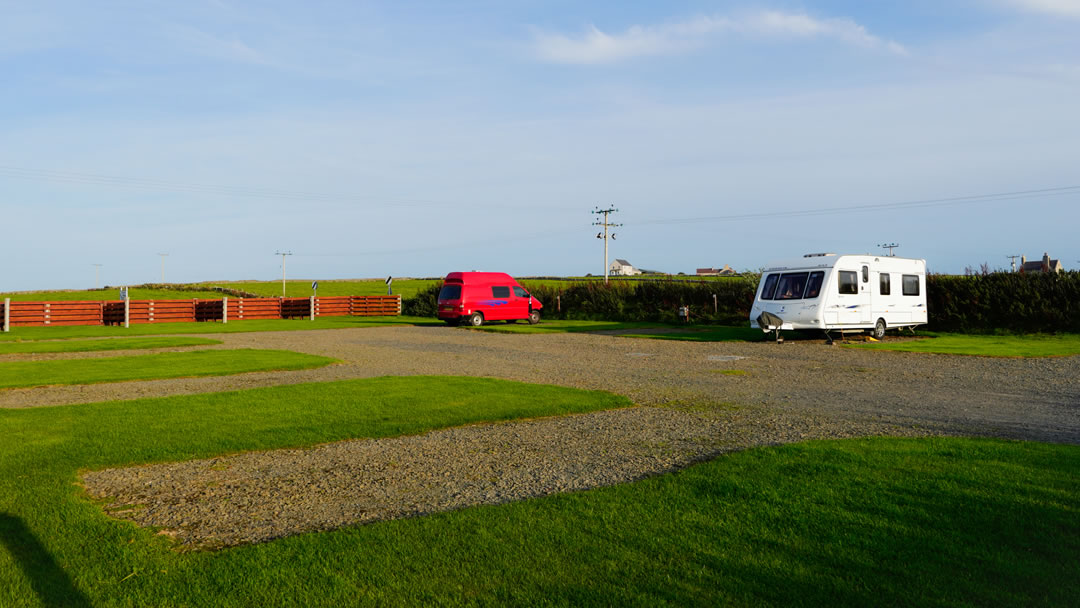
[224, 309]
[714, 307]
[558, 303]
[312, 308]
[127, 311]
[7, 314]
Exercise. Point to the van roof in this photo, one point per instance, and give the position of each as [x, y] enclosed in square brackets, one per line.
[479, 277]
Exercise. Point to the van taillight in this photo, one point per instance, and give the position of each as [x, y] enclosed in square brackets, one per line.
[461, 307]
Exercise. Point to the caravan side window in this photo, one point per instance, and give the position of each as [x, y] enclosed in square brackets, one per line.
[911, 284]
[791, 286]
[848, 282]
[886, 287]
[769, 286]
[813, 287]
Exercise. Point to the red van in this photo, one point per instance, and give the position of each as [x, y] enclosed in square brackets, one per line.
[477, 297]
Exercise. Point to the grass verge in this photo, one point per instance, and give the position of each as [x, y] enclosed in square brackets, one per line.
[855, 522]
[82, 346]
[152, 329]
[152, 367]
[1033, 345]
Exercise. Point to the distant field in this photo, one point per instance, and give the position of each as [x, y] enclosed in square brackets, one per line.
[113, 294]
[295, 289]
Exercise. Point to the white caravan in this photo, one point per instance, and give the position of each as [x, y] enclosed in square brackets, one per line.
[841, 292]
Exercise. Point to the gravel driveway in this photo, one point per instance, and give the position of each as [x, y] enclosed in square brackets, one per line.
[715, 397]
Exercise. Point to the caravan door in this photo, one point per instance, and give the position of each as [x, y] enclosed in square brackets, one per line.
[853, 299]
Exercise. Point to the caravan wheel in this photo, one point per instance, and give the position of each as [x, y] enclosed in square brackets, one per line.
[879, 330]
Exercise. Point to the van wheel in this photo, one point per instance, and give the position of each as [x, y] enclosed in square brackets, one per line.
[879, 330]
[476, 319]
[534, 317]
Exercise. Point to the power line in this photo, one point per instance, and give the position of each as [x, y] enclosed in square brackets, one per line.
[977, 198]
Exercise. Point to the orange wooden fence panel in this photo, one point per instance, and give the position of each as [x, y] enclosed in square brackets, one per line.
[111, 312]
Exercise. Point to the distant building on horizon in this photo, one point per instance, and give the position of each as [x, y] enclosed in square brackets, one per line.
[726, 271]
[1043, 265]
[623, 268]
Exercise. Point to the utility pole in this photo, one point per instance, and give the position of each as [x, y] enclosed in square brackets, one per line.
[283, 254]
[1012, 259]
[604, 235]
[163, 256]
[97, 275]
[890, 247]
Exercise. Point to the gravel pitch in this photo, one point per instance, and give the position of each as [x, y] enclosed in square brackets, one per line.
[706, 398]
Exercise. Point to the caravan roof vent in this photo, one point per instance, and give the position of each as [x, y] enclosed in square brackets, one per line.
[817, 255]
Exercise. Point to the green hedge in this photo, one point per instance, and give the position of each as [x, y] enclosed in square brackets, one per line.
[1000, 301]
[1004, 301]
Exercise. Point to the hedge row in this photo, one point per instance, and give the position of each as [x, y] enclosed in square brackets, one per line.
[1007, 301]
[999, 301]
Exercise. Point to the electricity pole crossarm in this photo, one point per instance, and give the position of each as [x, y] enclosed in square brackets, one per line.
[890, 247]
[604, 235]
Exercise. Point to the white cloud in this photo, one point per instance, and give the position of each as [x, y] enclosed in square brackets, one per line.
[1060, 8]
[596, 46]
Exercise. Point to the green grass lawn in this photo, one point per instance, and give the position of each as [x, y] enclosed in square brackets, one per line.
[151, 329]
[856, 522]
[1036, 345]
[148, 367]
[80, 346]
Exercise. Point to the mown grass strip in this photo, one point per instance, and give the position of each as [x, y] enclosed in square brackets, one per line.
[153, 329]
[82, 346]
[1033, 345]
[152, 367]
[932, 521]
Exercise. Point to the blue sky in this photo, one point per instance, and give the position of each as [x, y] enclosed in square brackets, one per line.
[419, 138]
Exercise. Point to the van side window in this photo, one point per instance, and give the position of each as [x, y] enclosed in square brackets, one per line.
[500, 292]
[911, 284]
[886, 287]
[769, 283]
[848, 281]
[813, 286]
[520, 292]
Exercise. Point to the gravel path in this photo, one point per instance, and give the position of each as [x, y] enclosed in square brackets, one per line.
[715, 397]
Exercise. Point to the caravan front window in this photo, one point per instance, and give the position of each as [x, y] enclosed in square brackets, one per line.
[768, 286]
[813, 288]
[791, 286]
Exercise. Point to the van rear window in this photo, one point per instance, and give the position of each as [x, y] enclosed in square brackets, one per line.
[450, 292]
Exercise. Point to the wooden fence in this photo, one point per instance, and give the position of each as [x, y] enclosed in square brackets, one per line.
[112, 312]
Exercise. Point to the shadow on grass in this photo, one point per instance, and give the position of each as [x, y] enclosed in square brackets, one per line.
[48, 580]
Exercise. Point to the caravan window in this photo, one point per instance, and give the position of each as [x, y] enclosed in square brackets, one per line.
[848, 282]
[769, 286]
[911, 284]
[813, 287]
[791, 285]
[886, 287]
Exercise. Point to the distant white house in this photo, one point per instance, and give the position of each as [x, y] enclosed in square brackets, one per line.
[622, 268]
